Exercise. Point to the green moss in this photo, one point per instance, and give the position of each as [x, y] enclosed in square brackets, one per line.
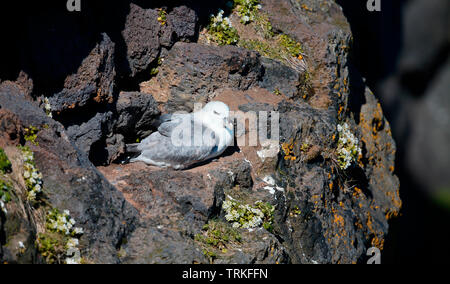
[277, 92]
[162, 16]
[210, 254]
[154, 70]
[216, 237]
[293, 47]
[218, 234]
[264, 26]
[5, 164]
[296, 211]
[51, 247]
[282, 49]
[31, 134]
[5, 191]
[267, 209]
[305, 147]
[264, 48]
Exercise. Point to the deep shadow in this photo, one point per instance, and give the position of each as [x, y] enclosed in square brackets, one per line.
[421, 234]
[98, 154]
[357, 89]
[47, 42]
[360, 180]
[377, 37]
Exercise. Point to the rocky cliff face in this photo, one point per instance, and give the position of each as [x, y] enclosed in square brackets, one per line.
[323, 193]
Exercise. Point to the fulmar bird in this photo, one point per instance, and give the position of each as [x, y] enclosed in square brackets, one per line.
[183, 140]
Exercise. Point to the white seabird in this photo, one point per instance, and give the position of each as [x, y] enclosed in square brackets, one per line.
[183, 140]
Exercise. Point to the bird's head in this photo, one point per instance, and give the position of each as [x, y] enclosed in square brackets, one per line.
[221, 112]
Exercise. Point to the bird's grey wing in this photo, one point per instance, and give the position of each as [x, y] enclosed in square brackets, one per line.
[176, 156]
[168, 122]
[186, 150]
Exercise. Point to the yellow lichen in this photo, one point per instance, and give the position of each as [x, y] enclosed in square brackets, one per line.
[288, 149]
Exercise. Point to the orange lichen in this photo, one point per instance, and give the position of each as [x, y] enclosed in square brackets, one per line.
[357, 193]
[306, 8]
[339, 220]
[378, 239]
[360, 160]
[395, 198]
[288, 149]
[378, 242]
[392, 214]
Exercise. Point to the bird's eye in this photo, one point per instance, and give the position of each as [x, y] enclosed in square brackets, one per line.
[215, 112]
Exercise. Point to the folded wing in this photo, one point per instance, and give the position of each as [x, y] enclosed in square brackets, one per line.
[181, 139]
